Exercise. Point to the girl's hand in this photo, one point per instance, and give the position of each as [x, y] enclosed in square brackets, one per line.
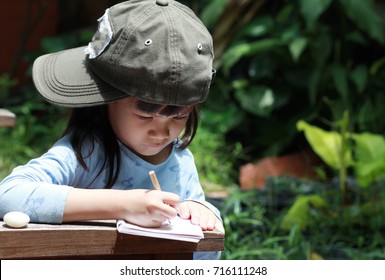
[150, 208]
[200, 215]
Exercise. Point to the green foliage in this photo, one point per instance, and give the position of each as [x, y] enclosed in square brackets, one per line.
[326, 144]
[38, 124]
[262, 224]
[294, 60]
[66, 41]
[214, 158]
[370, 153]
[303, 60]
[365, 154]
[298, 213]
[5, 84]
[362, 210]
[249, 235]
[212, 11]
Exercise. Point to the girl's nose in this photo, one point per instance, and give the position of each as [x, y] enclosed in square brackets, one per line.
[160, 132]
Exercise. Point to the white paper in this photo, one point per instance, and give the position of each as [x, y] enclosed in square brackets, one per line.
[176, 229]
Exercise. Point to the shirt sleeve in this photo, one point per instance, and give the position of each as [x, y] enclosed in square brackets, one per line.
[40, 187]
[194, 191]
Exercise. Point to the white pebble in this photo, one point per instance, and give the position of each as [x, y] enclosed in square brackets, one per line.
[16, 219]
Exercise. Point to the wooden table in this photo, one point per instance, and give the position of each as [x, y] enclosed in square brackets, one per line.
[7, 118]
[95, 240]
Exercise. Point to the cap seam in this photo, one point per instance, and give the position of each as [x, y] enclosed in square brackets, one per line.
[122, 40]
[201, 26]
[210, 42]
[126, 35]
[176, 67]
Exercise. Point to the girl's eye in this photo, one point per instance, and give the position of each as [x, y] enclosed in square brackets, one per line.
[181, 117]
[144, 118]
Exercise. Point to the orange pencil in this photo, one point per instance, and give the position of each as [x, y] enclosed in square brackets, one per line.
[154, 180]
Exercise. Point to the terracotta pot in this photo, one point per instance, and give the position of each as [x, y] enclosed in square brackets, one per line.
[302, 165]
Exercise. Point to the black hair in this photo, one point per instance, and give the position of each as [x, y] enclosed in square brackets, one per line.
[92, 124]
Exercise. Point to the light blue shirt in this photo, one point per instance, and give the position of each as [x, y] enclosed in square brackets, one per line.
[40, 187]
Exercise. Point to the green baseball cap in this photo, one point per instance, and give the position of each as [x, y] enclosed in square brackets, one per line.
[155, 50]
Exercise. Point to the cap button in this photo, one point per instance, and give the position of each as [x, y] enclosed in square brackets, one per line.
[162, 2]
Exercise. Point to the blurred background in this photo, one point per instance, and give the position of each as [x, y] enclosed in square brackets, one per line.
[286, 191]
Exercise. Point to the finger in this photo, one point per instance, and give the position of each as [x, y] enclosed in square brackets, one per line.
[157, 219]
[196, 217]
[204, 221]
[168, 211]
[171, 199]
[212, 220]
[184, 211]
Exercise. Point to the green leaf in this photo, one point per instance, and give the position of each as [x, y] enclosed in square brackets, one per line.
[325, 144]
[369, 147]
[377, 65]
[364, 14]
[360, 77]
[258, 26]
[367, 173]
[322, 48]
[314, 82]
[340, 81]
[257, 100]
[312, 9]
[298, 214]
[370, 161]
[212, 11]
[235, 53]
[297, 46]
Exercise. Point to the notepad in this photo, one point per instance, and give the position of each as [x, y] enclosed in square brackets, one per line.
[176, 229]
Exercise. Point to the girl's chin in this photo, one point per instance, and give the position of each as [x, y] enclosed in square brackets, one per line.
[156, 155]
[146, 150]
[152, 150]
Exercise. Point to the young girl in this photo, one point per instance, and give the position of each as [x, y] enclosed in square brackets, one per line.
[135, 90]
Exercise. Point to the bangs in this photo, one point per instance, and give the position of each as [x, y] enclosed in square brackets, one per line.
[164, 110]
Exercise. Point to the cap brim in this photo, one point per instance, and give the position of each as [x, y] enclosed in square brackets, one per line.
[63, 78]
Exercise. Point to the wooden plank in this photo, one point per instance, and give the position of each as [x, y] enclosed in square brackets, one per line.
[7, 118]
[95, 239]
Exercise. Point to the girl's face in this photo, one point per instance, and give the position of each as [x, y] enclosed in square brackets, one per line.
[148, 135]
